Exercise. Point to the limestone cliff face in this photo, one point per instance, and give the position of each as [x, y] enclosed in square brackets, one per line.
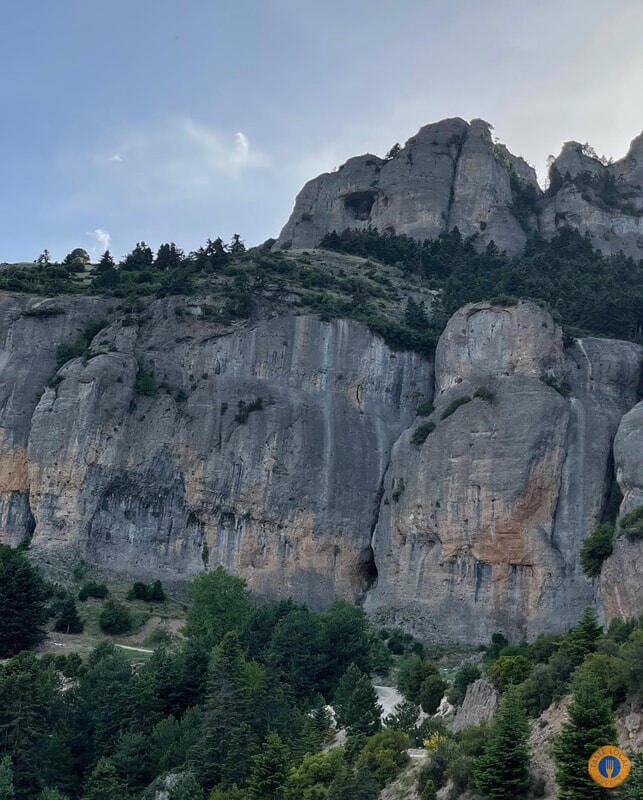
[486, 533]
[281, 449]
[452, 174]
[621, 578]
[27, 359]
[284, 495]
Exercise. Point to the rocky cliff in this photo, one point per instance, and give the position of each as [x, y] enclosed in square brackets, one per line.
[452, 174]
[283, 449]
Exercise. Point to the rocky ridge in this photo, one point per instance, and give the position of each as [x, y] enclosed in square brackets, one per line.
[452, 174]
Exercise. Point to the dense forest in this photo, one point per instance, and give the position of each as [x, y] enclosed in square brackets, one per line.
[586, 292]
[237, 706]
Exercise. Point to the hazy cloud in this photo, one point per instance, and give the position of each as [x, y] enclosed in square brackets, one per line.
[102, 239]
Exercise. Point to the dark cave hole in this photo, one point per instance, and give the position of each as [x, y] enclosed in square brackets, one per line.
[359, 204]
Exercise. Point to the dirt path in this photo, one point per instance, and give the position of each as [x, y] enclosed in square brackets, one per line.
[135, 649]
[388, 697]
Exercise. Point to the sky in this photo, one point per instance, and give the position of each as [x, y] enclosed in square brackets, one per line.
[179, 120]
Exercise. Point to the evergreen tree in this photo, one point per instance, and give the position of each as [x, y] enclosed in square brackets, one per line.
[431, 693]
[356, 705]
[115, 618]
[269, 770]
[236, 245]
[22, 596]
[51, 794]
[590, 726]
[6, 779]
[106, 262]
[633, 786]
[68, 620]
[168, 257]
[502, 771]
[220, 603]
[415, 315]
[103, 783]
[139, 259]
[44, 259]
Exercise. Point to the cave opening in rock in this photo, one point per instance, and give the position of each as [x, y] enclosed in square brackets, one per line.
[368, 568]
[359, 204]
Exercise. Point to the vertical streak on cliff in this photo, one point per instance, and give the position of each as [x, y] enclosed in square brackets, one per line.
[459, 143]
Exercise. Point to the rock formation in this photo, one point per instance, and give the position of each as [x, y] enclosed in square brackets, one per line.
[452, 174]
[479, 705]
[282, 449]
[496, 502]
[622, 573]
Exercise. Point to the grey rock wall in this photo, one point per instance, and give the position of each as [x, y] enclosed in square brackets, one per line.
[320, 493]
[496, 503]
[452, 174]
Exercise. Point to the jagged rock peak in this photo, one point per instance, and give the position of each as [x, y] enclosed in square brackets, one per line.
[453, 174]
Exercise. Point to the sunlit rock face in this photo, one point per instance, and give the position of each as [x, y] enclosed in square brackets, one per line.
[496, 502]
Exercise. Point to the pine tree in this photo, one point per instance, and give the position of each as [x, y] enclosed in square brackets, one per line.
[502, 771]
[6, 779]
[269, 770]
[356, 703]
[590, 726]
[51, 794]
[103, 783]
[22, 596]
[69, 621]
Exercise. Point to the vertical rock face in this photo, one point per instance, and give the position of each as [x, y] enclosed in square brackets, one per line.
[622, 573]
[30, 331]
[286, 451]
[282, 490]
[496, 502]
[452, 174]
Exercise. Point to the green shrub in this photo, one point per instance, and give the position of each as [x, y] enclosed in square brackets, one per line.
[149, 593]
[92, 589]
[484, 394]
[145, 383]
[632, 524]
[468, 673]
[68, 620]
[508, 671]
[421, 433]
[454, 406]
[115, 618]
[425, 409]
[596, 548]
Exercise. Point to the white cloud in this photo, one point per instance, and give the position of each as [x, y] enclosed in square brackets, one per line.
[116, 157]
[102, 239]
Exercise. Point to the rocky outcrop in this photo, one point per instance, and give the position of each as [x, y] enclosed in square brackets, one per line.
[622, 573]
[479, 705]
[448, 175]
[452, 174]
[286, 450]
[264, 451]
[481, 524]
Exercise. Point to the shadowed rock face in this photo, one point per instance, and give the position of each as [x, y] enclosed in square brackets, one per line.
[452, 174]
[497, 501]
[622, 573]
[316, 490]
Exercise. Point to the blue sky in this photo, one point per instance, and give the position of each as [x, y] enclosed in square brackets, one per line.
[182, 119]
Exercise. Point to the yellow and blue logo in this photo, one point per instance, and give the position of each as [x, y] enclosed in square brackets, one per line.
[609, 766]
